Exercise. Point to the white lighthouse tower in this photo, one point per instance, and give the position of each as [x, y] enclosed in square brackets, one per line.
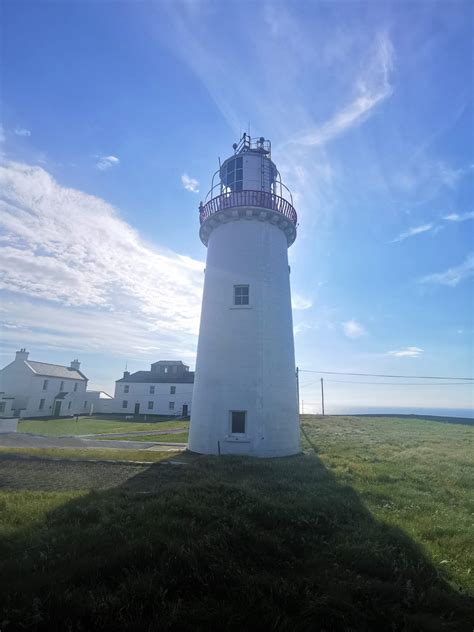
[245, 393]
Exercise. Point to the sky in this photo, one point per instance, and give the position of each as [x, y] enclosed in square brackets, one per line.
[113, 118]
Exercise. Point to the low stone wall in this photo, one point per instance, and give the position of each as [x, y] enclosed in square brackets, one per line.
[8, 424]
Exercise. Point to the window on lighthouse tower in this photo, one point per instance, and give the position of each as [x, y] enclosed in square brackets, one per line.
[241, 294]
[233, 175]
[237, 421]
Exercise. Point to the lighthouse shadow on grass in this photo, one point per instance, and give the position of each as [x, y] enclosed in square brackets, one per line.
[225, 543]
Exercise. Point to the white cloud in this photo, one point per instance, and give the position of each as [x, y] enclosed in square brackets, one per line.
[106, 162]
[452, 276]
[411, 232]
[456, 217]
[90, 278]
[372, 88]
[21, 131]
[300, 302]
[190, 184]
[408, 352]
[353, 329]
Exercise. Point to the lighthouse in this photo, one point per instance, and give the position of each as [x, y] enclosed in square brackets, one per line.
[245, 398]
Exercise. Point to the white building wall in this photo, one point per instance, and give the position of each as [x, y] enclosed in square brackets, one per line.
[15, 381]
[6, 406]
[245, 357]
[8, 425]
[72, 404]
[139, 393]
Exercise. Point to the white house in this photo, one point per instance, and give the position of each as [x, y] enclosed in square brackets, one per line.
[166, 389]
[98, 402]
[40, 389]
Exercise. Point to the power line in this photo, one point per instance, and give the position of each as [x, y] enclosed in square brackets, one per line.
[413, 377]
[397, 383]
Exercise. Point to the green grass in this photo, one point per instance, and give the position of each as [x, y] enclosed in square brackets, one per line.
[181, 437]
[94, 425]
[368, 530]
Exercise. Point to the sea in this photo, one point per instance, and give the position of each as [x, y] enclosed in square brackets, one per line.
[462, 413]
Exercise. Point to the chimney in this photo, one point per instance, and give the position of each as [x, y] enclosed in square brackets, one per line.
[76, 365]
[126, 373]
[22, 354]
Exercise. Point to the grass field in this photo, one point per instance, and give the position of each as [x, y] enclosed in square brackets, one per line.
[95, 425]
[370, 529]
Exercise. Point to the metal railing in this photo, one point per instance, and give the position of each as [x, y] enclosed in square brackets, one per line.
[261, 199]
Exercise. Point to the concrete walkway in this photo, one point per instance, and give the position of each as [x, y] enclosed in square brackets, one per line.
[27, 440]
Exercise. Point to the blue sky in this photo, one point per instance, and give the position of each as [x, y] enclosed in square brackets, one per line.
[113, 117]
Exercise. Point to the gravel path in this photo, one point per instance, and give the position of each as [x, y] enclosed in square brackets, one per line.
[132, 434]
[17, 473]
[27, 440]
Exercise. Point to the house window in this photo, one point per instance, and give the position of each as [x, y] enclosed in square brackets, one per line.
[174, 369]
[45, 385]
[237, 421]
[85, 404]
[75, 387]
[126, 388]
[150, 405]
[2, 407]
[241, 294]
[61, 386]
[69, 406]
[124, 403]
[152, 390]
[171, 405]
[41, 406]
[172, 390]
[165, 369]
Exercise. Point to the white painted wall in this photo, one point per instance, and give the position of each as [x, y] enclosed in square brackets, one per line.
[245, 357]
[97, 402]
[8, 425]
[17, 380]
[139, 393]
[72, 404]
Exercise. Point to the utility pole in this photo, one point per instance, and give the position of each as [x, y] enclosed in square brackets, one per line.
[322, 395]
[298, 389]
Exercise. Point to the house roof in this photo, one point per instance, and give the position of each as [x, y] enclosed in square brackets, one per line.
[54, 370]
[157, 378]
[169, 363]
[102, 394]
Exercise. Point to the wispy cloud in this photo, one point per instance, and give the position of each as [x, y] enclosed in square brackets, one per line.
[21, 131]
[106, 162]
[353, 329]
[452, 276]
[424, 228]
[190, 184]
[300, 302]
[81, 281]
[459, 217]
[411, 232]
[408, 352]
[372, 88]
